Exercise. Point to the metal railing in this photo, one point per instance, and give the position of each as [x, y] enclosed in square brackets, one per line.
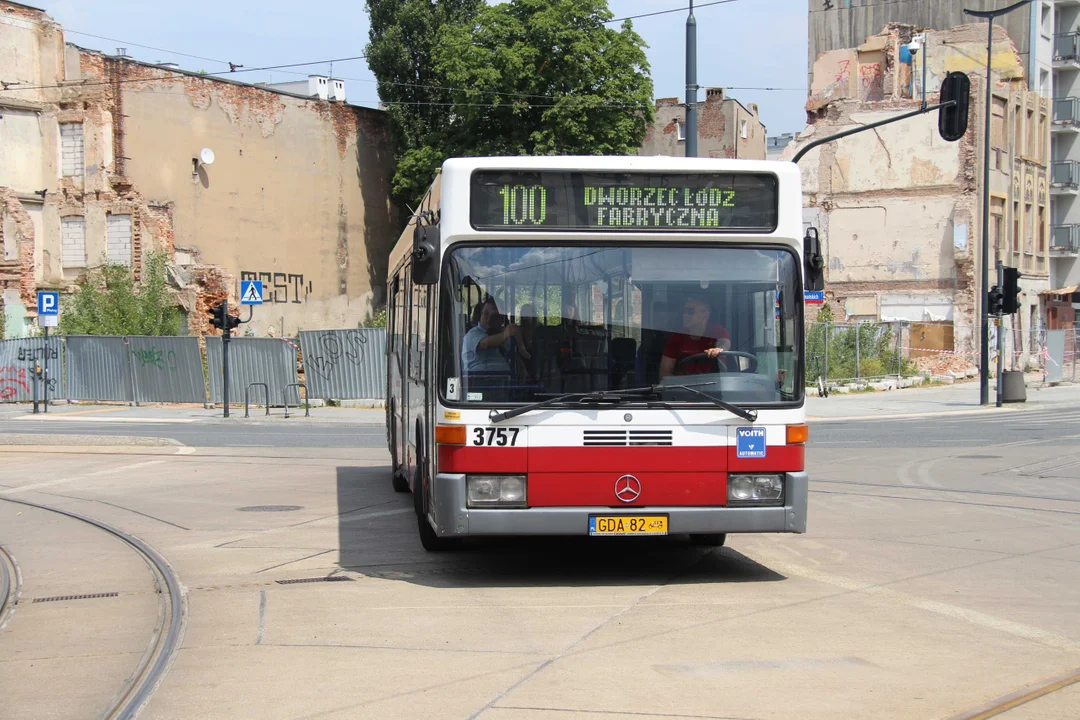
[1067, 111]
[1065, 238]
[1067, 46]
[1065, 173]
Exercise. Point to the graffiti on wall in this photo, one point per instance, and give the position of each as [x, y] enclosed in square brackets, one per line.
[30, 353]
[333, 348]
[279, 287]
[12, 380]
[153, 357]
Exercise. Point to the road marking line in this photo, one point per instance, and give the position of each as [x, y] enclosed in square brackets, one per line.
[991, 622]
[60, 481]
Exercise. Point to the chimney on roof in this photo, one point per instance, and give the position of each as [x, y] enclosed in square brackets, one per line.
[337, 90]
[121, 52]
[318, 87]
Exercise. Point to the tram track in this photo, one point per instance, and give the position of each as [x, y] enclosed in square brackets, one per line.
[168, 630]
[10, 585]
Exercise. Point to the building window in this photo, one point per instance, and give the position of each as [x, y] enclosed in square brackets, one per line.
[1044, 140]
[743, 129]
[119, 240]
[997, 222]
[680, 129]
[1032, 145]
[1042, 231]
[71, 149]
[1015, 245]
[1030, 240]
[1047, 21]
[997, 123]
[73, 241]
[1018, 130]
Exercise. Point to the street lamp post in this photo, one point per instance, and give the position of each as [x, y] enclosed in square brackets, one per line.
[984, 340]
[691, 83]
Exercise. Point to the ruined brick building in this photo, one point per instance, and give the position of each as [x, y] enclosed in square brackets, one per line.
[899, 210]
[726, 129]
[101, 162]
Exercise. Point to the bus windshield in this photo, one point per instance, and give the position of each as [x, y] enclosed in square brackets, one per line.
[521, 323]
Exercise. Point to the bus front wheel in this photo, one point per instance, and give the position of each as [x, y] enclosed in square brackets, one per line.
[709, 539]
[428, 538]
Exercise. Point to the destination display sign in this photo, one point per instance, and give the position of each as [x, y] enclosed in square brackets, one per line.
[622, 201]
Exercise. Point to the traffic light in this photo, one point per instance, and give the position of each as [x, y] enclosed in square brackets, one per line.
[217, 316]
[1010, 290]
[993, 301]
[233, 321]
[953, 120]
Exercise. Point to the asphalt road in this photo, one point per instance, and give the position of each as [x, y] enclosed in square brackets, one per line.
[932, 580]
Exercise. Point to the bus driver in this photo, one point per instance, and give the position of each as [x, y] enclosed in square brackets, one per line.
[700, 337]
[482, 348]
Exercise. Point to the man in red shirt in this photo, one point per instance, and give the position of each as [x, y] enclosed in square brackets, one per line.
[700, 337]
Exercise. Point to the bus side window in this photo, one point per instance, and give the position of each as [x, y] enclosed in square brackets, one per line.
[395, 313]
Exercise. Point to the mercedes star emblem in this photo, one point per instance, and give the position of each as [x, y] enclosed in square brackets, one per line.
[628, 488]
[627, 417]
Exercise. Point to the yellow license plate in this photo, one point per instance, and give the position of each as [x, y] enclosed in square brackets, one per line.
[628, 525]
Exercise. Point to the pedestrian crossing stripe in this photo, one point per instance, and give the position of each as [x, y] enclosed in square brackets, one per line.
[251, 292]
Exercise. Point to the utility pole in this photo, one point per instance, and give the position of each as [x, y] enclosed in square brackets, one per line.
[691, 83]
[984, 285]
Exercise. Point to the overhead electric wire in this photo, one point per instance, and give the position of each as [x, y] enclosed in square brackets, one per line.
[667, 12]
[128, 43]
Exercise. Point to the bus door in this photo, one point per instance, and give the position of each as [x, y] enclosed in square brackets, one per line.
[396, 376]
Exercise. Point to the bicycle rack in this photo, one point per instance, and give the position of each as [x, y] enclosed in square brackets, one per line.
[266, 392]
[285, 398]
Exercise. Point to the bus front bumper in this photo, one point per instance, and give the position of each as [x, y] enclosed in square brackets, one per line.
[454, 519]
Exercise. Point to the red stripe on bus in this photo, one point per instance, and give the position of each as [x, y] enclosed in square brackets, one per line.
[628, 459]
[598, 489]
[778, 458]
[465, 459]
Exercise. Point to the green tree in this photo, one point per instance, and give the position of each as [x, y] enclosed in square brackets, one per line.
[400, 53]
[544, 77]
[525, 77]
[110, 301]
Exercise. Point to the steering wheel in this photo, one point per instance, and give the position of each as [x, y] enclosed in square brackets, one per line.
[727, 353]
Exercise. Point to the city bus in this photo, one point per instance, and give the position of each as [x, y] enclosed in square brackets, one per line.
[600, 346]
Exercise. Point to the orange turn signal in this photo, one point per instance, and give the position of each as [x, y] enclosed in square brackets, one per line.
[797, 434]
[450, 434]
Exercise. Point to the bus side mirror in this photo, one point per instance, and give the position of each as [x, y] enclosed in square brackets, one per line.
[425, 254]
[953, 120]
[813, 262]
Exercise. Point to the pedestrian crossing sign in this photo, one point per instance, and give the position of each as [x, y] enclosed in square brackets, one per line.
[251, 292]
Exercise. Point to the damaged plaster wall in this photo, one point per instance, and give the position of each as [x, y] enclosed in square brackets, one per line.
[898, 208]
[297, 195]
[720, 129]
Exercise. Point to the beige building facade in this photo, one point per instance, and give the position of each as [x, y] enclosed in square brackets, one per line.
[899, 210]
[726, 129]
[104, 162]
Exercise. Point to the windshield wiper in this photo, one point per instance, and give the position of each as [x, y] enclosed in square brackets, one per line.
[614, 395]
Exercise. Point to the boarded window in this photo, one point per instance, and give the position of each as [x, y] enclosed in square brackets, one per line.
[997, 123]
[1032, 140]
[119, 240]
[1016, 237]
[1030, 240]
[73, 241]
[1042, 230]
[71, 149]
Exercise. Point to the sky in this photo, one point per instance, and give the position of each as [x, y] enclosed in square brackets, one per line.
[741, 43]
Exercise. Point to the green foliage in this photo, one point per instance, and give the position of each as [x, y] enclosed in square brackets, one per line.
[525, 77]
[877, 353]
[111, 302]
[378, 320]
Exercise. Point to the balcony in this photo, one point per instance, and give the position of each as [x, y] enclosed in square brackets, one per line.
[1066, 115]
[1067, 50]
[1065, 178]
[1065, 241]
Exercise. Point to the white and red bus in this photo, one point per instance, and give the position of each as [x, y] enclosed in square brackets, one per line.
[600, 346]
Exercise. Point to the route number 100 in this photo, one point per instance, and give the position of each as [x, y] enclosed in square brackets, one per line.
[524, 204]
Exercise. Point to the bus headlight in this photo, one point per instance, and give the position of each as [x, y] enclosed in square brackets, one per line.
[755, 489]
[506, 491]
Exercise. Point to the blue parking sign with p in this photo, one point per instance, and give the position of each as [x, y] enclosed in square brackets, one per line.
[48, 302]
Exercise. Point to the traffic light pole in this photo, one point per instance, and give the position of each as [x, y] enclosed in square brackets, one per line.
[984, 346]
[1000, 332]
[226, 334]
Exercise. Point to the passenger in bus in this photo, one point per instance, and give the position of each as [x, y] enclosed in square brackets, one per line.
[701, 336]
[483, 348]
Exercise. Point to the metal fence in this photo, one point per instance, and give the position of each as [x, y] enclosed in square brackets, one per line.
[844, 352]
[344, 364]
[338, 364]
[253, 360]
[19, 360]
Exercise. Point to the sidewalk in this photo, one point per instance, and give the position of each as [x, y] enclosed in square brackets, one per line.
[958, 399]
[123, 413]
